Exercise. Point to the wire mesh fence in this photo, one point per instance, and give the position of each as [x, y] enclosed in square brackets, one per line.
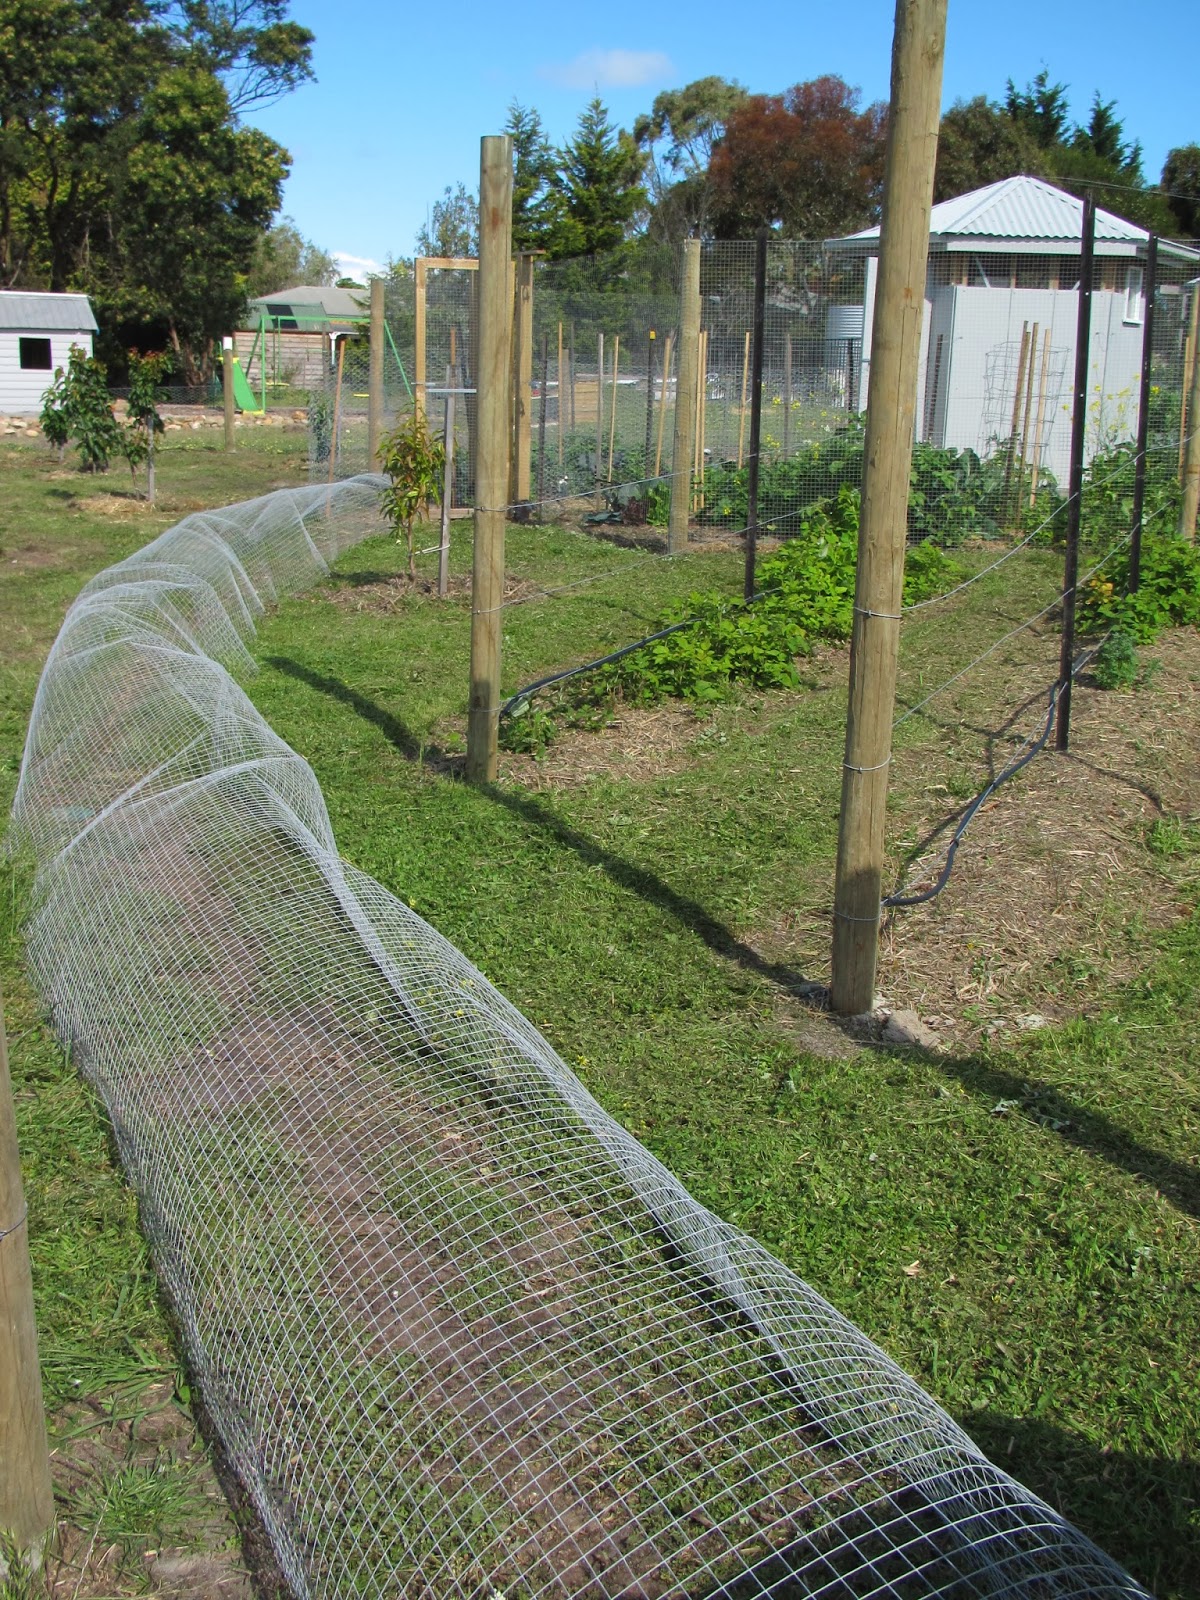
[461, 1334]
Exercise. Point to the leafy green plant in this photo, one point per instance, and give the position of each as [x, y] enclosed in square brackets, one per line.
[1115, 665]
[320, 426]
[414, 461]
[143, 422]
[1168, 592]
[56, 424]
[806, 593]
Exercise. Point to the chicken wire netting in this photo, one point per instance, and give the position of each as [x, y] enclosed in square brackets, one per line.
[460, 1333]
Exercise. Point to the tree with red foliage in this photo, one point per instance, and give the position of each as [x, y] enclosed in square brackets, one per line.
[807, 161]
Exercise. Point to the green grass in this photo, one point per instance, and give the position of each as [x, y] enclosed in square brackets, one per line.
[1048, 1190]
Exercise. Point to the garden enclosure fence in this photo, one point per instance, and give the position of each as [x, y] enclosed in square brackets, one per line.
[596, 367]
[460, 1333]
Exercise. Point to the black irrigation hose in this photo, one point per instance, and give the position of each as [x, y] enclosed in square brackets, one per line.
[895, 901]
[531, 689]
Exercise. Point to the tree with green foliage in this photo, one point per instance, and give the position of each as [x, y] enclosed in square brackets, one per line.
[120, 129]
[1181, 181]
[599, 185]
[1040, 109]
[414, 462]
[677, 137]
[536, 201]
[453, 226]
[980, 143]
[77, 407]
[283, 257]
[142, 421]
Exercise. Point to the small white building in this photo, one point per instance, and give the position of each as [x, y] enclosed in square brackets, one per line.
[36, 335]
[1004, 266]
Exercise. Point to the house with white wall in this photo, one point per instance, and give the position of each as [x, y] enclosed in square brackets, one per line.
[36, 334]
[1004, 266]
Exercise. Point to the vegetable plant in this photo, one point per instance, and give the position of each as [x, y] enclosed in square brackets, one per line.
[414, 462]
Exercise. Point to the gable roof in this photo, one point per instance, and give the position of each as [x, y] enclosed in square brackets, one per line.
[46, 313]
[1022, 214]
[340, 305]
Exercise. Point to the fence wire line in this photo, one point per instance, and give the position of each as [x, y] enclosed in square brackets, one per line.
[1020, 628]
[460, 1333]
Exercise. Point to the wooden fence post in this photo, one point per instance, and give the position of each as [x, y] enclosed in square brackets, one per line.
[375, 380]
[26, 1495]
[1150, 292]
[1190, 479]
[227, 388]
[493, 380]
[918, 48]
[420, 280]
[687, 367]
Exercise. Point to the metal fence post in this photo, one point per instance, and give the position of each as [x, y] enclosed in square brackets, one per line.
[1083, 351]
[756, 379]
[375, 382]
[1149, 287]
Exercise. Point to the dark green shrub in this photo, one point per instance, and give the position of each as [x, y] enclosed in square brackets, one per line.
[1168, 594]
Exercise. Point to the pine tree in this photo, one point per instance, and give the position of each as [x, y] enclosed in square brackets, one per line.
[536, 203]
[598, 182]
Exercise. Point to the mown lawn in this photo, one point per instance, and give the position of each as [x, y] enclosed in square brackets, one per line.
[1016, 1223]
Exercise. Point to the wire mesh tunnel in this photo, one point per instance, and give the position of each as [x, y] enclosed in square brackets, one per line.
[460, 1333]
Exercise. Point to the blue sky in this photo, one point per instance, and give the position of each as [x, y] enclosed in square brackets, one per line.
[404, 92]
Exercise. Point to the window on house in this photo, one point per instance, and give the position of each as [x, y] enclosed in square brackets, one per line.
[35, 355]
[1134, 280]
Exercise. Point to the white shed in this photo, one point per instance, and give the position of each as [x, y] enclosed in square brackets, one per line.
[1004, 264]
[36, 335]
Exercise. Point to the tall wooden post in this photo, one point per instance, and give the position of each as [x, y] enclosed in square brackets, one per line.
[447, 482]
[1190, 480]
[687, 359]
[419, 355]
[26, 1495]
[375, 378]
[918, 48]
[1189, 368]
[523, 377]
[1083, 351]
[494, 384]
[227, 389]
[599, 409]
[1149, 289]
[756, 380]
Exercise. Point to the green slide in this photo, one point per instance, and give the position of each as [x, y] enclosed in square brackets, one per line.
[243, 395]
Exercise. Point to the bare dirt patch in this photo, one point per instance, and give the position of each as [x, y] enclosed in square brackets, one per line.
[125, 507]
[1059, 866]
[140, 1508]
[384, 594]
[638, 743]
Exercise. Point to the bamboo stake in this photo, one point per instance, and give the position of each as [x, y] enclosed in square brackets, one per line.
[684, 431]
[612, 421]
[668, 352]
[26, 1496]
[1041, 412]
[1189, 367]
[523, 339]
[337, 409]
[1018, 396]
[742, 407]
[1022, 459]
[917, 55]
[494, 382]
[558, 371]
[571, 373]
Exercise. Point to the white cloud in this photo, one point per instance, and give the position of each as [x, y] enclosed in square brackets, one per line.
[355, 266]
[609, 69]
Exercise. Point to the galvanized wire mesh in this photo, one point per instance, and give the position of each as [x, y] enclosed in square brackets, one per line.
[461, 1334]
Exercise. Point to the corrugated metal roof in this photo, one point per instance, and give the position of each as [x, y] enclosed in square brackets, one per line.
[46, 313]
[1019, 208]
[342, 304]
